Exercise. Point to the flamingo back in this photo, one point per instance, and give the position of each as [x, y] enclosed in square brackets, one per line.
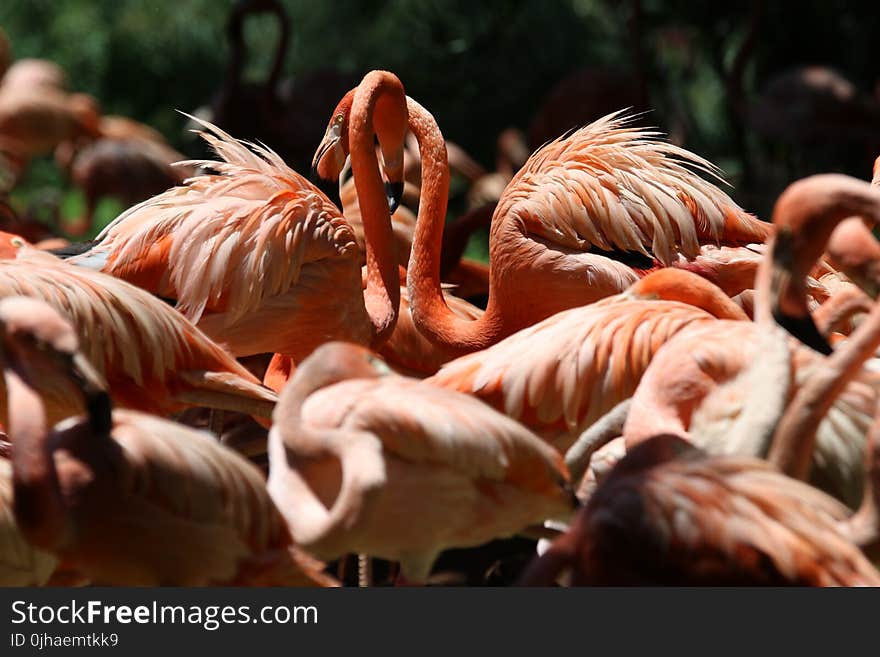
[616, 187]
[228, 240]
[562, 374]
[420, 423]
[181, 508]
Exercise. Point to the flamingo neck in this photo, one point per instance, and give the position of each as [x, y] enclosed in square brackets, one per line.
[805, 216]
[280, 50]
[815, 206]
[429, 310]
[39, 508]
[863, 527]
[795, 436]
[382, 292]
[293, 443]
[235, 38]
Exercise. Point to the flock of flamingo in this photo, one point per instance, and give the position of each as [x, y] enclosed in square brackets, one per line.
[239, 382]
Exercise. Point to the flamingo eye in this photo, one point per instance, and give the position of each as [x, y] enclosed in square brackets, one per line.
[17, 242]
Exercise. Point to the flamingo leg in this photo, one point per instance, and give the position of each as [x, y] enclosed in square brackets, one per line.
[365, 571]
[600, 433]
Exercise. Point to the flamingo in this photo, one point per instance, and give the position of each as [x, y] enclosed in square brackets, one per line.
[691, 366]
[128, 161]
[668, 514]
[737, 519]
[154, 359]
[391, 467]
[560, 375]
[256, 245]
[607, 186]
[128, 498]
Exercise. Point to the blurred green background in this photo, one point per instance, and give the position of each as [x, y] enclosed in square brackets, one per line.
[478, 66]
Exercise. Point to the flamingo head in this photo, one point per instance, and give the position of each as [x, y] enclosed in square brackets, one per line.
[330, 157]
[788, 293]
[334, 149]
[9, 245]
[853, 250]
[333, 362]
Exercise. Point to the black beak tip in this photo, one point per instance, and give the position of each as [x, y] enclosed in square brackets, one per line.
[805, 330]
[394, 192]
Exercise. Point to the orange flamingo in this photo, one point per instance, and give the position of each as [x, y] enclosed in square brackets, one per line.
[606, 189]
[669, 514]
[257, 246]
[561, 375]
[401, 469]
[130, 498]
[154, 359]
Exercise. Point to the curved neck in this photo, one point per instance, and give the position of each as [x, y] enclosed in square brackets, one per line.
[766, 384]
[795, 436]
[382, 292]
[805, 215]
[863, 527]
[680, 285]
[280, 50]
[429, 310]
[238, 48]
[39, 508]
[291, 440]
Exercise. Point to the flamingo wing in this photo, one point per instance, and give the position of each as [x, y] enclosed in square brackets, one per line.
[225, 240]
[567, 371]
[615, 187]
[129, 335]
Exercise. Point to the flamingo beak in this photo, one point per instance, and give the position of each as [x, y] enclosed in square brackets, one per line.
[394, 192]
[392, 167]
[85, 373]
[94, 389]
[330, 157]
[791, 314]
